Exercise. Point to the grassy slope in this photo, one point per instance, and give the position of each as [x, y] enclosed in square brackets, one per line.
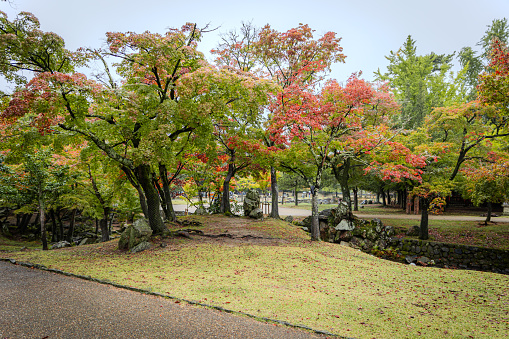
[321, 285]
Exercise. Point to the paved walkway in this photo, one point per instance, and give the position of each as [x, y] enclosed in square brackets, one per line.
[284, 211]
[40, 304]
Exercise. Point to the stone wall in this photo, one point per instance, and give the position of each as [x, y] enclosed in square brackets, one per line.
[451, 255]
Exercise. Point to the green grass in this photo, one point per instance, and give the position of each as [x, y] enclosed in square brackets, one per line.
[321, 285]
[472, 233]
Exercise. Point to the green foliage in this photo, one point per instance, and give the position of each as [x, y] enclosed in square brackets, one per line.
[421, 82]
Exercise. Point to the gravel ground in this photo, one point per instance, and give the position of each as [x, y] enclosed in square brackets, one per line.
[40, 304]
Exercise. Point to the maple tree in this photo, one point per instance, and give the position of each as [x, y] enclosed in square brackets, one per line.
[288, 58]
[453, 136]
[332, 127]
[494, 82]
[167, 100]
[487, 180]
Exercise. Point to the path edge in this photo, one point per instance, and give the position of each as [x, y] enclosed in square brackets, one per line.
[167, 296]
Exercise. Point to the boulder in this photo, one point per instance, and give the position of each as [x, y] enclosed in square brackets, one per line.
[135, 234]
[256, 213]
[5, 230]
[423, 261]
[344, 225]
[60, 244]
[251, 201]
[289, 219]
[142, 246]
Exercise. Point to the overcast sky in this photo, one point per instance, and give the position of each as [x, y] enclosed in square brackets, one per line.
[369, 29]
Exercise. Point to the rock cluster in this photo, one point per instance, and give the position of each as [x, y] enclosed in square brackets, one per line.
[252, 205]
[339, 225]
[135, 234]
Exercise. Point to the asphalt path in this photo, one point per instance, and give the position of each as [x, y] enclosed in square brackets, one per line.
[41, 304]
[285, 211]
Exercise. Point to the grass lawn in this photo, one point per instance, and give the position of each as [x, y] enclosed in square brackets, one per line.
[271, 269]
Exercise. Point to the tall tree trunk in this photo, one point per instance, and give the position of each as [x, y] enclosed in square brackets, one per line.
[60, 224]
[488, 215]
[42, 219]
[355, 199]
[144, 175]
[274, 213]
[72, 221]
[342, 176]
[389, 198]
[54, 230]
[105, 232]
[315, 226]
[25, 220]
[225, 199]
[384, 203]
[169, 211]
[424, 205]
[143, 201]
[296, 194]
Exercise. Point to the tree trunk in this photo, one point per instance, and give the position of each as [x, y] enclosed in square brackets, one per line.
[225, 199]
[105, 232]
[42, 219]
[295, 194]
[315, 226]
[25, 220]
[384, 203]
[60, 224]
[70, 231]
[488, 215]
[169, 211]
[274, 213]
[423, 205]
[96, 226]
[54, 230]
[355, 199]
[155, 221]
[342, 176]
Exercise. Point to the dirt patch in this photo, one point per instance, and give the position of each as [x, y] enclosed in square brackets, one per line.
[235, 231]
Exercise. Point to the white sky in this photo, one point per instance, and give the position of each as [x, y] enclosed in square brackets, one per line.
[370, 29]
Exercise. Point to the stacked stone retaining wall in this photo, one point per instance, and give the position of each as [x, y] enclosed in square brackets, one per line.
[452, 255]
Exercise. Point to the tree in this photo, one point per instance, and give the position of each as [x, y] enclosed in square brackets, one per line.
[487, 180]
[327, 128]
[453, 136]
[169, 96]
[494, 81]
[498, 30]
[288, 58]
[421, 83]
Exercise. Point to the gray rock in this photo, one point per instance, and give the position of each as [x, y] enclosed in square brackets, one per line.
[344, 225]
[305, 229]
[60, 244]
[410, 259]
[344, 243]
[325, 214]
[251, 201]
[87, 241]
[289, 219]
[256, 213]
[135, 234]
[423, 261]
[5, 230]
[142, 246]
[306, 222]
